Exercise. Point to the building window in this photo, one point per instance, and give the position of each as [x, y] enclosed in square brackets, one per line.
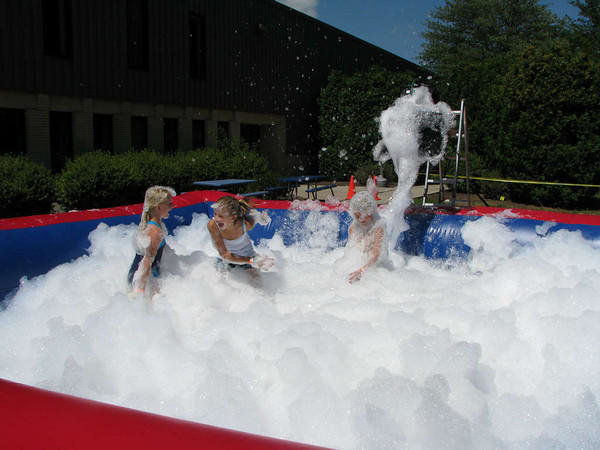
[222, 131]
[58, 28]
[137, 34]
[250, 134]
[198, 134]
[61, 139]
[139, 132]
[103, 132]
[171, 134]
[197, 46]
[12, 131]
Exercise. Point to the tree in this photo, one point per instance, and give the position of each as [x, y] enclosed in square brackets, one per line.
[586, 30]
[349, 106]
[543, 123]
[476, 47]
[468, 44]
[462, 35]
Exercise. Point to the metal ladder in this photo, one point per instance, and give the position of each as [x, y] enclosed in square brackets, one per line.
[451, 181]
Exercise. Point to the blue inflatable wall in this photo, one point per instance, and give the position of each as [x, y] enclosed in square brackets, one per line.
[30, 246]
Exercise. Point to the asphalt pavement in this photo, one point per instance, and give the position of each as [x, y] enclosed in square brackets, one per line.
[340, 192]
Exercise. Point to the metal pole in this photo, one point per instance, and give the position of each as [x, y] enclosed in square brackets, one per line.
[460, 127]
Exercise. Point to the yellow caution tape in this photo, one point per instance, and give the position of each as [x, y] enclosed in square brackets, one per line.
[502, 180]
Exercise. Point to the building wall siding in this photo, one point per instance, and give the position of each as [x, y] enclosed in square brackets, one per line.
[261, 57]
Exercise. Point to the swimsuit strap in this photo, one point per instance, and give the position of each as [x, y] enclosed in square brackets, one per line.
[163, 242]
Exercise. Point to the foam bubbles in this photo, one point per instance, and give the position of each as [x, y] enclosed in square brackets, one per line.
[497, 352]
[413, 130]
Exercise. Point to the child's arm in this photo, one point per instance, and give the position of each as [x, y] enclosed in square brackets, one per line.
[374, 255]
[155, 235]
[217, 239]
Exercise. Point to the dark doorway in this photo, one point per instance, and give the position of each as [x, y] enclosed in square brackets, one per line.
[12, 131]
[103, 132]
[198, 134]
[61, 139]
[139, 132]
[250, 134]
[222, 132]
[171, 134]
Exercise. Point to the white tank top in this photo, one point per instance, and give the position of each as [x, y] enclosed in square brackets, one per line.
[241, 246]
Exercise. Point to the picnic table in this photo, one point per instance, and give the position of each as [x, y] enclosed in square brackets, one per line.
[294, 182]
[222, 185]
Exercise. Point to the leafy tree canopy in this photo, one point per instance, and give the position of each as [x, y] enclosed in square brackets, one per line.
[531, 84]
[586, 29]
[349, 107]
[462, 34]
[543, 123]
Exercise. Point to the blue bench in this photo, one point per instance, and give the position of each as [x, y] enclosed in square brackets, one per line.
[254, 194]
[316, 189]
[274, 189]
[277, 188]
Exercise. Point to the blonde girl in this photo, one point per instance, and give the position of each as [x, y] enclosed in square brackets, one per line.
[150, 236]
[229, 228]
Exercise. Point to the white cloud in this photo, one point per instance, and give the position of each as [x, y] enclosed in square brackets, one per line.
[306, 6]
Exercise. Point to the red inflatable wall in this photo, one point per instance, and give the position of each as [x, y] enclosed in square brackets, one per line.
[32, 418]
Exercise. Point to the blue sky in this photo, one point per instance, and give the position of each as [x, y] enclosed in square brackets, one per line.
[394, 25]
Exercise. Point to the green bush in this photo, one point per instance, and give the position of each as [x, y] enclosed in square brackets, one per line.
[26, 187]
[142, 169]
[543, 123]
[366, 171]
[338, 164]
[349, 109]
[98, 179]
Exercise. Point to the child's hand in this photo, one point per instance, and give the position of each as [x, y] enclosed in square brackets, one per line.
[261, 218]
[356, 275]
[266, 220]
[264, 263]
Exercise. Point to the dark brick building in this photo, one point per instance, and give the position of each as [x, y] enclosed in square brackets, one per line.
[167, 74]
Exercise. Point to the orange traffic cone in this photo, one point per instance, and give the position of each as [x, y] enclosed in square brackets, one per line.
[376, 193]
[351, 190]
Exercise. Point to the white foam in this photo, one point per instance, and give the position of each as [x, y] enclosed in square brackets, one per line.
[400, 127]
[498, 352]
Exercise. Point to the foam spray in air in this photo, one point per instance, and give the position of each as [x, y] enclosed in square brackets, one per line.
[413, 130]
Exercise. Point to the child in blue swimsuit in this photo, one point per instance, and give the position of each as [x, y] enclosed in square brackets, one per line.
[150, 237]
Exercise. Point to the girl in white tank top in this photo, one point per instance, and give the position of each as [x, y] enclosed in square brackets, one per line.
[241, 246]
[229, 228]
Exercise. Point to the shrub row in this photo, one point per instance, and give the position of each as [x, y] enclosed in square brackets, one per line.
[26, 188]
[98, 179]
